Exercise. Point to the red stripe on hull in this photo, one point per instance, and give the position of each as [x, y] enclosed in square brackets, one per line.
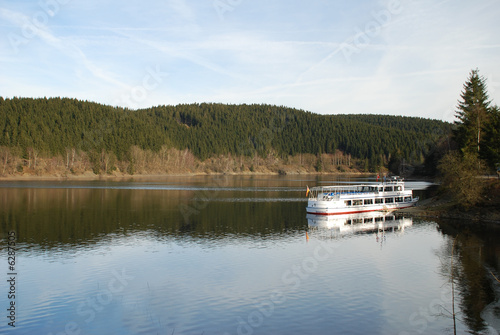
[357, 212]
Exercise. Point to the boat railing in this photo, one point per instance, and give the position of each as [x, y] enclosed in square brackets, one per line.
[334, 192]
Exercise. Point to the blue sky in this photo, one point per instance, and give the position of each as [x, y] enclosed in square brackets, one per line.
[398, 57]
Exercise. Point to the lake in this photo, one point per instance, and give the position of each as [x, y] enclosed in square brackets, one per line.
[233, 255]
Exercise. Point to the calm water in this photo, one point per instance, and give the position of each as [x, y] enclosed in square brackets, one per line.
[233, 255]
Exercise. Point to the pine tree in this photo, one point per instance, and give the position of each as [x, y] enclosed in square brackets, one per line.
[491, 140]
[472, 114]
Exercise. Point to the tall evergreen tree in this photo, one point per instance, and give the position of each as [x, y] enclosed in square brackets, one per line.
[491, 147]
[472, 114]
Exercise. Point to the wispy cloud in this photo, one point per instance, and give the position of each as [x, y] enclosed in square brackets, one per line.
[285, 52]
[74, 54]
[182, 8]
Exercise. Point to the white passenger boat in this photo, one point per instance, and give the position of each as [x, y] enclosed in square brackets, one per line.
[385, 196]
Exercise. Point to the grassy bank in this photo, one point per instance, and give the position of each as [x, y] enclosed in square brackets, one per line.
[444, 205]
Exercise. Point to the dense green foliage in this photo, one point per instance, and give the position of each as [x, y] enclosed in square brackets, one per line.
[52, 126]
[478, 122]
[477, 137]
[491, 139]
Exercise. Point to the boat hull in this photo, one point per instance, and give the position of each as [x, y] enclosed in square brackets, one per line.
[329, 210]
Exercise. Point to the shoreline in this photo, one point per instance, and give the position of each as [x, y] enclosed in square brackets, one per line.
[437, 207]
[91, 176]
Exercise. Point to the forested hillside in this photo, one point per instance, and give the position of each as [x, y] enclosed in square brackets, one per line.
[71, 129]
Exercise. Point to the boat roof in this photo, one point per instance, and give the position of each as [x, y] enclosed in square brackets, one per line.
[357, 186]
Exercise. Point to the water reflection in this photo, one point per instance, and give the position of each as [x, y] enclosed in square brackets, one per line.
[204, 253]
[476, 256]
[78, 217]
[362, 223]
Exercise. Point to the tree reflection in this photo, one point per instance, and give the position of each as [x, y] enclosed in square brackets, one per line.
[472, 281]
[70, 218]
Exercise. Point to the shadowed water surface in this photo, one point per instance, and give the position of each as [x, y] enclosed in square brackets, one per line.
[233, 255]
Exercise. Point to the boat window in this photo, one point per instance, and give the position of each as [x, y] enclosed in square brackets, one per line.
[379, 201]
[368, 201]
[347, 202]
[357, 202]
[407, 199]
[398, 199]
[388, 189]
[355, 221]
[398, 188]
[368, 220]
[389, 200]
[379, 219]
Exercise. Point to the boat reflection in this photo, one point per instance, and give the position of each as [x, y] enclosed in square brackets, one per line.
[362, 223]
